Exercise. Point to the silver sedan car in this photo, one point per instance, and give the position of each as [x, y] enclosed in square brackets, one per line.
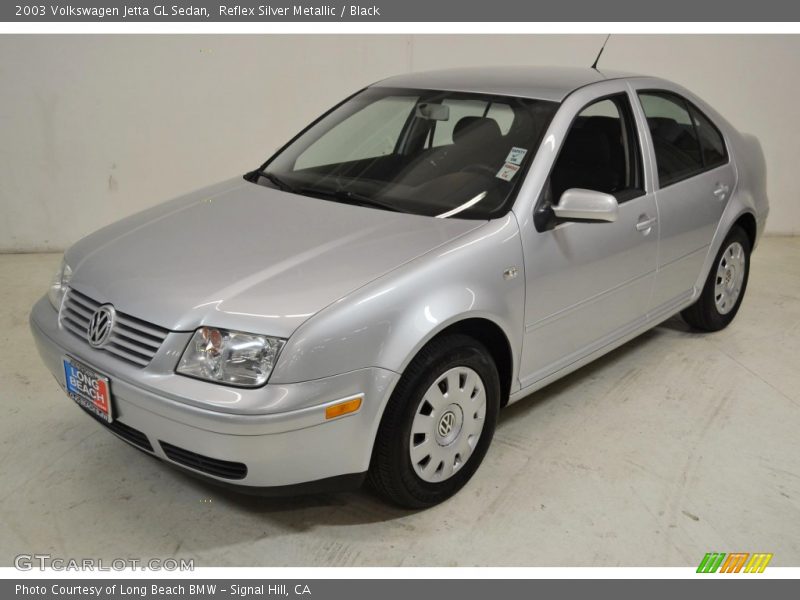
[434, 247]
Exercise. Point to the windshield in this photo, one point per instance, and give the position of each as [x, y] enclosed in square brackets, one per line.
[435, 153]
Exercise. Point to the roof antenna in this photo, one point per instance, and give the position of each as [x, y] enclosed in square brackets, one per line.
[603, 47]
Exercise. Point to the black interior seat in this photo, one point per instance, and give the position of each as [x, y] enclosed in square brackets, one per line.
[483, 129]
[676, 146]
[682, 136]
[589, 160]
[611, 127]
[477, 141]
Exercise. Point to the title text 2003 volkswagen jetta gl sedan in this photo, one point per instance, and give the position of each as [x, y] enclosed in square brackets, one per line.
[433, 247]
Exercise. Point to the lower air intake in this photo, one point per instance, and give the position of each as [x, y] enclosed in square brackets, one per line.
[213, 466]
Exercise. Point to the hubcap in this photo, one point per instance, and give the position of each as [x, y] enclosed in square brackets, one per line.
[730, 276]
[447, 424]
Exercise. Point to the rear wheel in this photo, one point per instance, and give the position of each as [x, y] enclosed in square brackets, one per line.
[724, 289]
[438, 424]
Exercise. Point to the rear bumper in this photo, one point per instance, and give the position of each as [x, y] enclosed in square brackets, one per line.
[282, 452]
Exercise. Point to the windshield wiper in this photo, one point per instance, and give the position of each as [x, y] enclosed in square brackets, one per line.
[274, 179]
[340, 195]
[349, 197]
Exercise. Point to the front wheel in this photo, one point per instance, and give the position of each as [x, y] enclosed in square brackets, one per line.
[438, 423]
[724, 289]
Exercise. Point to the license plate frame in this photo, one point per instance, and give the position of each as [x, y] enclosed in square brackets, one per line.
[88, 388]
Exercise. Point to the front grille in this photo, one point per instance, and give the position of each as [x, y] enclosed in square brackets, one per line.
[212, 466]
[134, 436]
[133, 340]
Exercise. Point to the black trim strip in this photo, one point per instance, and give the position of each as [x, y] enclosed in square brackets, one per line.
[126, 432]
[212, 466]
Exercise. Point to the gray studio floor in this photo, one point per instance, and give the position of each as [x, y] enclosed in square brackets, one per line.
[672, 446]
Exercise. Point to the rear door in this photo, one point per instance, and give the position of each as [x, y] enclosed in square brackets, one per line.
[694, 182]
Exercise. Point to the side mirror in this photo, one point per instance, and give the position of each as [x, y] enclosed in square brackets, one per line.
[586, 205]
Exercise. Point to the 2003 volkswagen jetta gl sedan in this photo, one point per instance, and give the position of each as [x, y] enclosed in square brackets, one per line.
[434, 247]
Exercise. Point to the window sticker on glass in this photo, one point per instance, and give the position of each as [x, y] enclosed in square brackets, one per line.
[507, 172]
[516, 155]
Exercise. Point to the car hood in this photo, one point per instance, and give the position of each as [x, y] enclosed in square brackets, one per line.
[243, 256]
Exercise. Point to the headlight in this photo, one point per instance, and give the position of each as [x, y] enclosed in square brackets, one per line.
[231, 357]
[58, 285]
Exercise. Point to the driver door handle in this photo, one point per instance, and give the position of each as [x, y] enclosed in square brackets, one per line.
[645, 223]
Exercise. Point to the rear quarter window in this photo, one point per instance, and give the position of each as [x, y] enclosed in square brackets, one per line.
[711, 140]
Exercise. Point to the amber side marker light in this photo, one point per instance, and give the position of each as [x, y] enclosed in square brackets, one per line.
[346, 407]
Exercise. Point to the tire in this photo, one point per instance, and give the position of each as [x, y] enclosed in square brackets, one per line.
[452, 359]
[714, 310]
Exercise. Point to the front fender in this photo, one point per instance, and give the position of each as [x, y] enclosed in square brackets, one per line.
[385, 323]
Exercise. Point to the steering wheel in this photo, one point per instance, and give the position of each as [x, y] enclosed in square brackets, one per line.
[479, 169]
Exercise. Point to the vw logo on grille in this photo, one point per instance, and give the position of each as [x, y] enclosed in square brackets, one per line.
[100, 325]
[446, 424]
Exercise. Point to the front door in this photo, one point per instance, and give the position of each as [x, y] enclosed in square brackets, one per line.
[588, 283]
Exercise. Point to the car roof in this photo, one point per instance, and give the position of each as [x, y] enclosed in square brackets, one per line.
[543, 83]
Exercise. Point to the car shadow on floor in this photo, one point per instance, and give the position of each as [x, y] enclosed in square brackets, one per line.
[355, 507]
[558, 387]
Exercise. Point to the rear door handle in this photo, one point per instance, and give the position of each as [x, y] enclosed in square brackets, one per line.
[645, 223]
[721, 191]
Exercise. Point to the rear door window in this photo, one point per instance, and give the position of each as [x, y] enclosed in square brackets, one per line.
[685, 141]
[674, 136]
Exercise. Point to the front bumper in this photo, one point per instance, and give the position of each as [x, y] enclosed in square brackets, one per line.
[280, 448]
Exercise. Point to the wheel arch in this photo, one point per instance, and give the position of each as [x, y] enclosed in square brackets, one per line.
[492, 336]
[747, 221]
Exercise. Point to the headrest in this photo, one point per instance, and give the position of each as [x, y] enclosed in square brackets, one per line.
[665, 128]
[610, 126]
[484, 129]
[586, 148]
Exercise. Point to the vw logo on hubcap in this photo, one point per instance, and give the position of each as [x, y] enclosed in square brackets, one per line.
[100, 326]
[446, 424]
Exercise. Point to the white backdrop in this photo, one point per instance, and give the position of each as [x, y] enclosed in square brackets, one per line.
[93, 128]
